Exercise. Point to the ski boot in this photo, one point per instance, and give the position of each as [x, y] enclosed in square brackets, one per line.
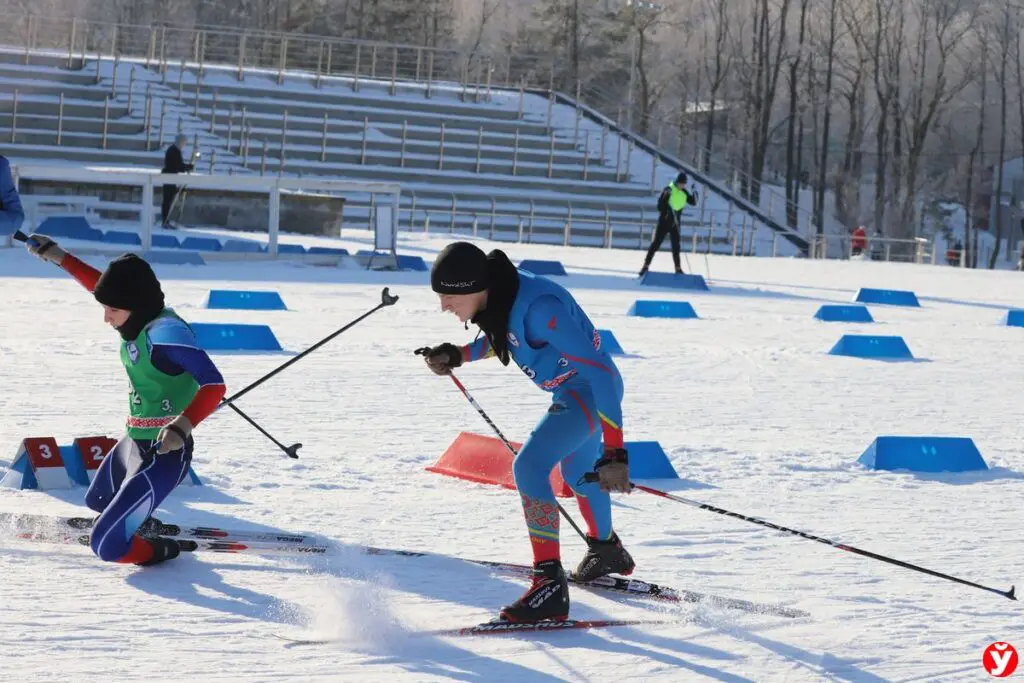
[150, 528]
[547, 598]
[163, 549]
[602, 558]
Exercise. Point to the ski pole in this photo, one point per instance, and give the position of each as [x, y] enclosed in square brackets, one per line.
[386, 299]
[508, 445]
[291, 451]
[22, 237]
[487, 418]
[1011, 594]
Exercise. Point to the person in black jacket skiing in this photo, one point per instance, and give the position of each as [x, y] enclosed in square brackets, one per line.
[671, 202]
[174, 162]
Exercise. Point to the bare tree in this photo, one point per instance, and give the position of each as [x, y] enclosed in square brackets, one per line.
[1020, 89]
[933, 84]
[852, 71]
[1003, 54]
[792, 152]
[830, 43]
[977, 151]
[760, 78]
[886, 53]
[716, 69]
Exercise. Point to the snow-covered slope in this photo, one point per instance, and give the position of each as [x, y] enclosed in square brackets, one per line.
[754, 414]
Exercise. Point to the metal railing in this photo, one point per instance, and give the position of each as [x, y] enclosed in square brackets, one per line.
[276, 53]
[321, 58]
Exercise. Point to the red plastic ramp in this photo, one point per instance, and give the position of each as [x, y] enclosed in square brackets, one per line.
[486, 460]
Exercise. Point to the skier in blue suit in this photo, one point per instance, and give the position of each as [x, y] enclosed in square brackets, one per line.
[536, 323]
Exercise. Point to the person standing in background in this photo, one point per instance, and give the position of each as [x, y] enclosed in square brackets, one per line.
[671, 202]
[174, 162]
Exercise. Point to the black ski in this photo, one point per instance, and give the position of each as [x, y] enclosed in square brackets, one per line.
[496, 628]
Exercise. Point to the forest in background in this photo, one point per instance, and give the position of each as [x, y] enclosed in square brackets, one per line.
[893, 107]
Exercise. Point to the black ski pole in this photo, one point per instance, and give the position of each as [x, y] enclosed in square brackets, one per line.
[487, 418]
[1011, 594]
[386, 299]
[291, 451]
[22, 237]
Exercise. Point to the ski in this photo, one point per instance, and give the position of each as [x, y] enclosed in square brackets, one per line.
[186, 545]
[215, 539]
[154, 528]
[633, 587]
[493, 628]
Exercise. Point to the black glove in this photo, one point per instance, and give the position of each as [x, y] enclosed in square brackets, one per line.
[692, 198]
[442, 358]
[613, 470]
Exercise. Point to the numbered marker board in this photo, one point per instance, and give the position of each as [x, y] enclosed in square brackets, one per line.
[38, 464]
[92, 450]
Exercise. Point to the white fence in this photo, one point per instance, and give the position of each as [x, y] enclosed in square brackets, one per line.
[386, 196]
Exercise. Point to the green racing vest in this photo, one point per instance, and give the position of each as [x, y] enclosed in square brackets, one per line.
[156, 398]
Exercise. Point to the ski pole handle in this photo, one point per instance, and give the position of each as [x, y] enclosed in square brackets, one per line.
[22, 237]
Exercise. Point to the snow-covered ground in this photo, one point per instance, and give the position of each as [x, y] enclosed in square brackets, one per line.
[755, 415]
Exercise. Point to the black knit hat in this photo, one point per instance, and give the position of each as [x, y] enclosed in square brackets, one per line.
[460, 268]
[129, 283]
[681, 179]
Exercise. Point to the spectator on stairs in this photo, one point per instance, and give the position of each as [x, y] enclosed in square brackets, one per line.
[174, 162]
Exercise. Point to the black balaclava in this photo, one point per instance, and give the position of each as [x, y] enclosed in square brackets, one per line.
[129, 283]
[462, 268]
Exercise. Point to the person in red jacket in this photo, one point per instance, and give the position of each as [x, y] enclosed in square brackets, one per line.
[858, 241]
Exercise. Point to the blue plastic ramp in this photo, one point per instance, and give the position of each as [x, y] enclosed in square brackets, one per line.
[201, 244]
[334, 251]
[1015, 318]
[647, 460]
[406, 262]
[122, 237]
[869, 346]
[245, 300]
[242, 246]
[542, 267]
[893, 297]
[235, 337]
[847, 313]
[675, 281]
[921, 454]
[166, 242]
[609, 343]
[662, 309]
[69, 227]
[176, 258]
[286, 248]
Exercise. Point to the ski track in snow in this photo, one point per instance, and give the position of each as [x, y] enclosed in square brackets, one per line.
[754, 414]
